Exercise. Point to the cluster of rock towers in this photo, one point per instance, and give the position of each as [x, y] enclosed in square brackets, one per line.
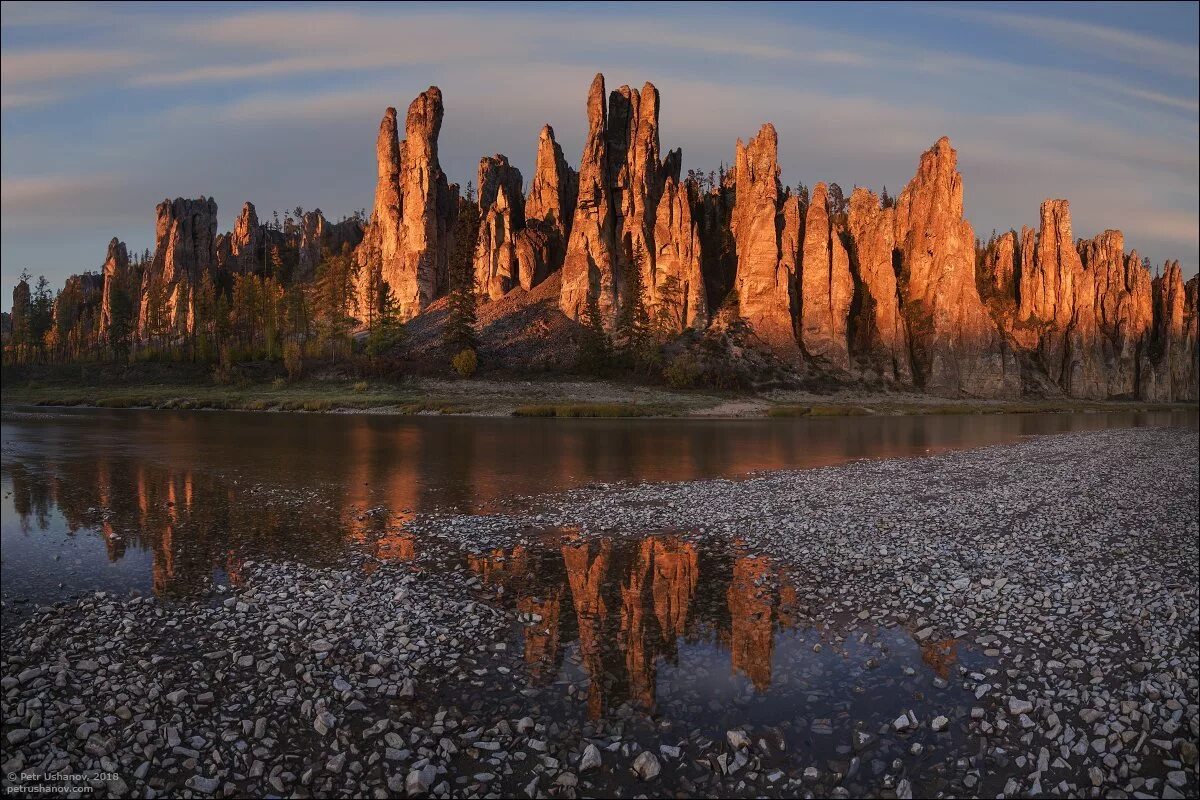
[900, 296]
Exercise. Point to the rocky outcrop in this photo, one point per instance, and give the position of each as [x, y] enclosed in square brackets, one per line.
[622, 184]
[115, 274]
[318, 236]
[19, 316]
[407, 244]
[587, 273]
[77, 309]
[678, 293]
[1123, 310]
[764, 283]
[718, 250]
[542, 245]
[552, 193]
[956, 347]
[184, 250]
[998, 274]
[243, 250]
[826, 288]
[1058, 299]
[428, 208]
[1173, 371]
[379, 253]
[502, 216]
[880, 340]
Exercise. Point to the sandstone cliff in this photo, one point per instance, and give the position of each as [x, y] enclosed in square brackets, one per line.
[115, 274]
[955, 345]
[881, 339]
[502, 216]
[616, 228]
[184, 250]
[1123, 310]
[243, 250]
[765, 275]
[318, 236]
[897, 296]
[587, 272]
[549, 210]
[826, 288]
[1058, 299]
[1172, 373]
[407, 244]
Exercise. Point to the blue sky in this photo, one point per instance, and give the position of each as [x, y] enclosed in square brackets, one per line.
[108, 109]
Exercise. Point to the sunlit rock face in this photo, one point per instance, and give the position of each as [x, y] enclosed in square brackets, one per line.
[826, 288]
[407, 243]
[502, 216]
[1172, 373]
[549, 211]
[1123, 309]
[881, 339]
[632, 213]
[1058, 297]
[184, 251]
[115, 274]
[957, 349]
[765, 267]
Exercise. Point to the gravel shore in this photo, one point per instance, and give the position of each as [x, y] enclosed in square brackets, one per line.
[1069, 563]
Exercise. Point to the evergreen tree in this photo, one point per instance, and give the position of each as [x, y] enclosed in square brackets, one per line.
[121, 324]
[838, 204]
[668, 312]
[886, 200]
[459, 333]
[595, 348]
[637, 345]
[387, 331]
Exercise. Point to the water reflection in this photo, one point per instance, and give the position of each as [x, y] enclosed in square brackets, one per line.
[620, 608]
[170, 502]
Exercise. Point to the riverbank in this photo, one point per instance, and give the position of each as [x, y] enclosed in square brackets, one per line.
[510, 397]
[1050, 586]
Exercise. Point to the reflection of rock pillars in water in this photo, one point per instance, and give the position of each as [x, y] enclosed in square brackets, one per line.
[940, 655]
[676, 574]
[501, 567]
[114, 545]
[233, 568]
[585, 575]
[396, 545]
[542, 638]
[639, 658]
[752, 639]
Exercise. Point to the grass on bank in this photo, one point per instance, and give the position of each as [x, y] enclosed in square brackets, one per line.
[957, 408]
[817, 411]
[593, 410]
[312, 396]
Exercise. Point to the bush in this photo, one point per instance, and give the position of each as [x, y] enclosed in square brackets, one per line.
[225, 373]
[683, 372]
[465, 363]
[293, 360]
[360, 387]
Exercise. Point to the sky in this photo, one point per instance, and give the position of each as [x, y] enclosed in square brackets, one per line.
[109, 109]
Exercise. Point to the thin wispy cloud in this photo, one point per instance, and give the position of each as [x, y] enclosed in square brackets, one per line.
[1124, 45]
[41, 66]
